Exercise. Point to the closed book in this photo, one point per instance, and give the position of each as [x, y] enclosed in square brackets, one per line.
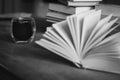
[53, 19]
[67, 9]
[57, 15]
[82, 3]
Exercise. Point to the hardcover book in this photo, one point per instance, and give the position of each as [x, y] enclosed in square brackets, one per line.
[54, 19]
[57, 15]
[67, 9]
[86, 40]
[58, 12]
[83, 3]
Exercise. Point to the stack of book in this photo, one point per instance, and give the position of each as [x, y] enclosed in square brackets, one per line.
[58, 12]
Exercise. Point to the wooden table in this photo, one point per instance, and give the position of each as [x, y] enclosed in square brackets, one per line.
[32, 62]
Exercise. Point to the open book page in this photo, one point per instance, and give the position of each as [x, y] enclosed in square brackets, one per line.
[79, 29]
[53, 36]
[103, 30]
[90, 21]
[97, 28]
[63, 29]
[103, 63]
[52, 33]
[56, 40]
[71, 23]
[110, 47]
[53, 39]
[75, 23]
[101, 40]
[57, 50]
[105, 57]
[110, 38]
[101, 34]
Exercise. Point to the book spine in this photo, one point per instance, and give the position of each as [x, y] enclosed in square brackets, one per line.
[52, 21]
[67, 10]
[61, 8]
[82, 4]
[56, 15]
[78, 65]
[54, 18]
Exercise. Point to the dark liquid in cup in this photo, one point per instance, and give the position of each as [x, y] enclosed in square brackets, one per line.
[22, 30]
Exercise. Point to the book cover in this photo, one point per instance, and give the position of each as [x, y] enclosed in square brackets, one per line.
[86, 40]
[67, 9]
[57, 15]
[83, 3]
[53, 19]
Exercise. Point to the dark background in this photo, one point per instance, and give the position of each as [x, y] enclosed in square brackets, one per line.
[10, 6]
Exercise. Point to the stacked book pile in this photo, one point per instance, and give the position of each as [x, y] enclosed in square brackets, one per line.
[58, 12]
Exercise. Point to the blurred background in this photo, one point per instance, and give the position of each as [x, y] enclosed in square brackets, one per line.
[39, 8]
[36, 7]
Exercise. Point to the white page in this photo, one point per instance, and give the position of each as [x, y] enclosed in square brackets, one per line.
[63, 30]
[100, 41]
[110, 38]
[101, 33]
[72, 29]
[59, 43]
[41, 43]
[57, 50]
[111, 47]
[78, 28]
[74, 24]
[90, 21]
[103, 63]
[103, 30]
[55, 37]
[50, 34]
[100, 24]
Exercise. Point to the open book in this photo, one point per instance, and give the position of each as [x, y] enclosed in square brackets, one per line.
[86, 40]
